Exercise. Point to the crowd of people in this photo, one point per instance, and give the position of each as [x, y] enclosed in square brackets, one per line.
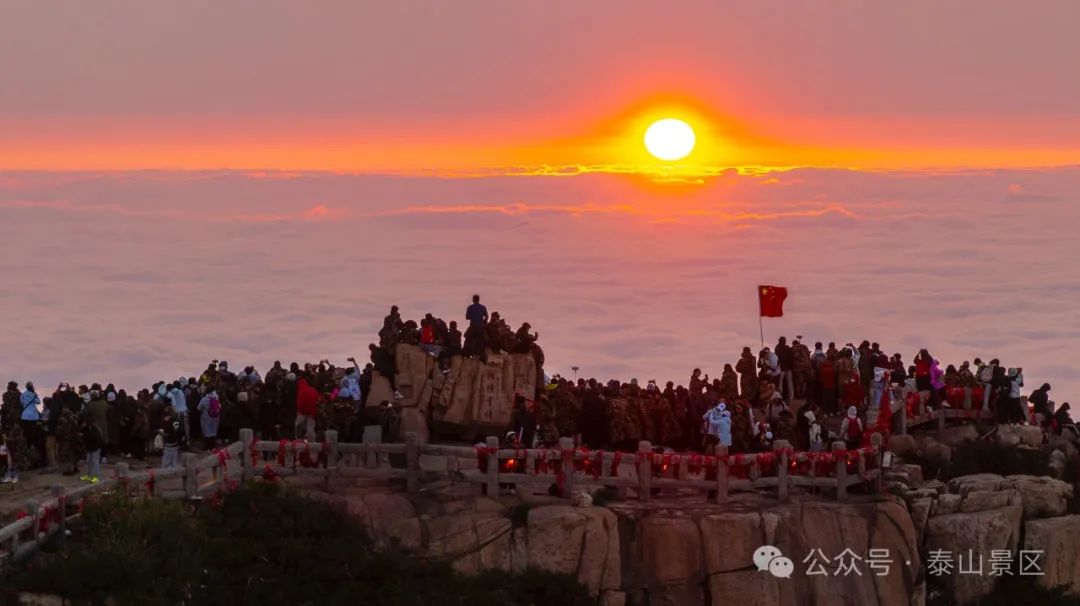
[785, 392]
[57, 431]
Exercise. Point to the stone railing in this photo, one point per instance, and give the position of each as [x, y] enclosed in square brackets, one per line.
[567, 468]
[919, 415]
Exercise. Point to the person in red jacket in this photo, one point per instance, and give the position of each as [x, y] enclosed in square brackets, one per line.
[307, 403]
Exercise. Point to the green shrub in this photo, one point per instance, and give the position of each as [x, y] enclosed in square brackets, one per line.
[261, 546]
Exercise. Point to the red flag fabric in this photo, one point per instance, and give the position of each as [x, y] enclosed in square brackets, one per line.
[771, 301]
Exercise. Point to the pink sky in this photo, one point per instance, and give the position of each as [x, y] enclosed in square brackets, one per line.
[422, 85]
[260, 180]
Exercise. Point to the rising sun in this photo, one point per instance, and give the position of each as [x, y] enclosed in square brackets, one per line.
[669, 139]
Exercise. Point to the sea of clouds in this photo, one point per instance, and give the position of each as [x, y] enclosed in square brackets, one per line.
[134, 276]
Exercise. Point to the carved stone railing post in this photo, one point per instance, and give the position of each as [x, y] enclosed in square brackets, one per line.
[841, 471]
[492, 487]
[191, 478]
[58, 493]
[781, 448]
[247, 454]
[566, 453]
[644, 470]
[721, 474]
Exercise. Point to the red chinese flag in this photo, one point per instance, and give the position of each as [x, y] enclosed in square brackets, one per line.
[771, 301]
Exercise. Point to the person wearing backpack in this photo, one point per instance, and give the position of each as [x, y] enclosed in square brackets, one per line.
[851, 429]
[210, 407]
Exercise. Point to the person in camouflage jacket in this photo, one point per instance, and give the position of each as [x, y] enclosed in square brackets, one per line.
[729, 384]
[69, 441]
[747, 369]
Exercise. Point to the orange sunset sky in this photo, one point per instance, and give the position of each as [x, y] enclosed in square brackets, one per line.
[478, 87]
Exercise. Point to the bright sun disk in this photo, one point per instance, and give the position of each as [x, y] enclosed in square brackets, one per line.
[669, 139]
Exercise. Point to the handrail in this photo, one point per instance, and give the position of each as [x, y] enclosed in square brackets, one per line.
[568, 467]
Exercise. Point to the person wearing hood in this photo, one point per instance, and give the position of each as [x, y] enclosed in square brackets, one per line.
[1014, 408]
[718, 425]
[729, 384]
[210, 417]
[30, 420]
[1040, 400]
[307, 404]
[747, 369]
[851, 429]
[249, 376]
[383, 363]
[937, 379]
[814, 433]
[98, 413]
[177, 397]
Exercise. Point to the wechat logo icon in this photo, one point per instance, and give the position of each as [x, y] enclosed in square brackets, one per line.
[770, 559]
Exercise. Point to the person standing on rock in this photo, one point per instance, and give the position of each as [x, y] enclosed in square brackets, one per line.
[747, 369]
[382, 362]
[985, 376]
[1040, 399]
[475, 334]
[729, 384]
[785, 362]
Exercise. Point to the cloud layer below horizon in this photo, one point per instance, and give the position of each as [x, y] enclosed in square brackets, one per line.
[132, 277]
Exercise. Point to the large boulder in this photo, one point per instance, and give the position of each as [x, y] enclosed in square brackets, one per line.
[746, 588]
[958, 434]
[1030, 436]
[979, 481]
[901, 444]
[730, 539]
[1042, 497]
[415, 369]
[389, 518]
[413, 420]
[983, 500]
[671, 549]
[816, 528]
[380, 390]
[920, 513]
[582, 541]
[978, 532]
[473, 541]
[1058, 542]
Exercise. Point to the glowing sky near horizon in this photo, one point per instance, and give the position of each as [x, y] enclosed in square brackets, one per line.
[419, 86]
[260, 179]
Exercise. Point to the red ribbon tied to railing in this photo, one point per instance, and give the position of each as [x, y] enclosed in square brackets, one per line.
[282, 445]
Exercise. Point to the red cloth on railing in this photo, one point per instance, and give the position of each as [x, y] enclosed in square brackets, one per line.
[955, 396]
[482, 454]
[977, 394]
